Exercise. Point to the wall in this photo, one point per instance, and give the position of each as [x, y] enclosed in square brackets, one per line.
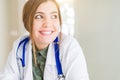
[97, 27]
[9, 28]
[3, 30]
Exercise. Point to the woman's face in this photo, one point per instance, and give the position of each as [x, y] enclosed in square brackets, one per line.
[46, 24]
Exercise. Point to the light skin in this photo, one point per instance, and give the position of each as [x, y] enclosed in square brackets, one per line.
[46, 24]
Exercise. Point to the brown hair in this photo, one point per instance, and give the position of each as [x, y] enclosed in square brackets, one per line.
[29, 11]
[28, 15]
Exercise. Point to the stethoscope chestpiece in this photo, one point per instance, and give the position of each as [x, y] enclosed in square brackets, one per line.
[61, 77]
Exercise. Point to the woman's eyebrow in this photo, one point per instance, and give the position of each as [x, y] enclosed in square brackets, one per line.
[44, 12]
[39, 13]
[54, 12]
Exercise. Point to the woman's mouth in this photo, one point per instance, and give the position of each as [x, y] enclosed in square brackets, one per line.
[46, 33]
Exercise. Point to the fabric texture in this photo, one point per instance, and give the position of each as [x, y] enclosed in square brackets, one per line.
[38, 70]
[71, 56]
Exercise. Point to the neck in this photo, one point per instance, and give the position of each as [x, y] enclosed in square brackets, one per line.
[41, 46]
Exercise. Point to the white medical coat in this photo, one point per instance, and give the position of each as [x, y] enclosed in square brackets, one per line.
[71, 57]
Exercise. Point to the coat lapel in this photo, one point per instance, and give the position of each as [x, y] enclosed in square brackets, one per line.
[50, 72]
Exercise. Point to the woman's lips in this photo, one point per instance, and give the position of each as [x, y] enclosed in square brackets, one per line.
[46, 32]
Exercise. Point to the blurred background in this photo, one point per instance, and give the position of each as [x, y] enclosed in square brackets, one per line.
[94, 23]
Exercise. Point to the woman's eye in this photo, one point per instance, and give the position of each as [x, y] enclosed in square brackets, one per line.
[38, 17]
[54, 16]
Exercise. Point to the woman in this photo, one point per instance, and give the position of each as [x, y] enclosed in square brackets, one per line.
[42, 20]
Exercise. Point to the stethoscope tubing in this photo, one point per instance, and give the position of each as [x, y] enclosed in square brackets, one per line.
[57, 59]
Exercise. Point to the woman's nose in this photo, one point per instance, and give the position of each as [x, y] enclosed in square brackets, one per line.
[47, 22]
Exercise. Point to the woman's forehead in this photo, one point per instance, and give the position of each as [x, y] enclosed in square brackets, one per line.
[48, 6]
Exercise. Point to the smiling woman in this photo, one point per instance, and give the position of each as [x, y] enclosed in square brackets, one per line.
[46, 25]
[45, 53]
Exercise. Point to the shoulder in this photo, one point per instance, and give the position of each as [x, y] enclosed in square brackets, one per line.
[17, 42]
[68, 40]
[19, 39]
[70, 46]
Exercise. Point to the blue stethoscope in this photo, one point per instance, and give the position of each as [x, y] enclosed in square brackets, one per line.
[22, 60]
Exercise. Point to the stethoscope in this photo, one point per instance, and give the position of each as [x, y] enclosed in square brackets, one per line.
[22, 60]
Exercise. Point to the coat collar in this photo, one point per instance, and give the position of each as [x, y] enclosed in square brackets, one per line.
[51, 55]
[50, 60]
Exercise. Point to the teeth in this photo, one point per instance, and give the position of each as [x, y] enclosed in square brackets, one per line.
[46, 32]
